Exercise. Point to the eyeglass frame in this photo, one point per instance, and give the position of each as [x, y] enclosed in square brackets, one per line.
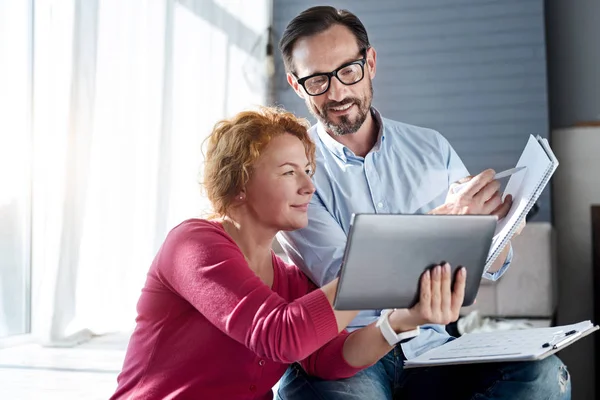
[333, 73]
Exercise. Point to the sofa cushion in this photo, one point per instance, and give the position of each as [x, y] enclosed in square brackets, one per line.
[527, 289]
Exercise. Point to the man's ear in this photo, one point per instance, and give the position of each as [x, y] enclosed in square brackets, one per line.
[372, 61]
[294, 84]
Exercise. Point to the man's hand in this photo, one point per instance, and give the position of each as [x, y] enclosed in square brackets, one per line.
[438, 303]
[480, 196]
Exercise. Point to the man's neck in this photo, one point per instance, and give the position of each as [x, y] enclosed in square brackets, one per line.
[363, 140]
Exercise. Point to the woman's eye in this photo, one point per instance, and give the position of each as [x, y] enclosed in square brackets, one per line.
[308, 171]
[289, 172]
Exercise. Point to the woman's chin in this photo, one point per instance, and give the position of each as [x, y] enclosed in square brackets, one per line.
[295, 224]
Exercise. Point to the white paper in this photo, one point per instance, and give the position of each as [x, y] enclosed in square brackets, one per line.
[524, 188]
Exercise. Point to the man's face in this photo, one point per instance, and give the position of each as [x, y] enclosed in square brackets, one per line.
[342, 109]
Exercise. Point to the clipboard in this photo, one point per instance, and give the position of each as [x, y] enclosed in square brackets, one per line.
[504, 346]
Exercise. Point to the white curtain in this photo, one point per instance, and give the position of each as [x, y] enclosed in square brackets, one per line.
[15, 164]
[124, 94]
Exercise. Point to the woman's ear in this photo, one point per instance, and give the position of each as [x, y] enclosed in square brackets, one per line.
[241, 196]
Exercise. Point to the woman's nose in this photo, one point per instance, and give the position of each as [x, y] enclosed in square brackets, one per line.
[308, 187]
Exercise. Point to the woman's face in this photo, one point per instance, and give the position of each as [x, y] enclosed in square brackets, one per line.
[280, 187]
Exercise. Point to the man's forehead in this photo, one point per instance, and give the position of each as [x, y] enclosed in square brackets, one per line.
[324, 52]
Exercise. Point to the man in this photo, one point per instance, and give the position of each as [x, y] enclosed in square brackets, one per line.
[366, 163]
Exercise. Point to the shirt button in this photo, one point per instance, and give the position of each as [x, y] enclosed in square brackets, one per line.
[253, 388]
[380, 205]
[261, 362]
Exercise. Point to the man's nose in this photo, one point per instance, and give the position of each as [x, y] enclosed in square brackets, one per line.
[337, 90]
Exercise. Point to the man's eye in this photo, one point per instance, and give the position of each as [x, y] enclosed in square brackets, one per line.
[317, 81]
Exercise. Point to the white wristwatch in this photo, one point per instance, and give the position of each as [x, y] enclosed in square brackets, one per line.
[383, 323]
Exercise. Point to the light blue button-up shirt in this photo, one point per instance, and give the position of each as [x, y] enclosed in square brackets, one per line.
[408, 171]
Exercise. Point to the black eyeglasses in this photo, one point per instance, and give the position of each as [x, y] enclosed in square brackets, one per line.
[349, 74]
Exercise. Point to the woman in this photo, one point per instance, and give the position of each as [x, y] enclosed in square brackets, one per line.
[221, 316]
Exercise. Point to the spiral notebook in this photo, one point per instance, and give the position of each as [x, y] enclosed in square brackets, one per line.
[502, 346]
[525, 187]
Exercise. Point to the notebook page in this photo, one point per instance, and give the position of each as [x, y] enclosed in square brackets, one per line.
[549, 152]
[522, 186]
[501, 240]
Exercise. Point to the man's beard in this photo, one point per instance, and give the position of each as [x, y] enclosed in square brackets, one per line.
[346, 126]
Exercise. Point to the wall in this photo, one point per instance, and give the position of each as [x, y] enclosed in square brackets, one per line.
[573, 60]
[575, 190]
[573, 31]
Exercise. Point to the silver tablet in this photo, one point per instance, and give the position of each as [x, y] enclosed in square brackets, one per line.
[386, 254]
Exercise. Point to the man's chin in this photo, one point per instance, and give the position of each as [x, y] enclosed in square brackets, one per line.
[341, 130]
[344, 125]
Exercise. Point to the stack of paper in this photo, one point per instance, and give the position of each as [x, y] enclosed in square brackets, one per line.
[525, 188]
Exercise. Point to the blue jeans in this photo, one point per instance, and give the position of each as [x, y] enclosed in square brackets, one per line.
[546, 379]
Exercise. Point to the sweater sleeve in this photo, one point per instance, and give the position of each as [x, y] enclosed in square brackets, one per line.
[328, 362]
[204, 266]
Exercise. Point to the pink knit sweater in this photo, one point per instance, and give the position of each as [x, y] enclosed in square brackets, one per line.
[209, 328]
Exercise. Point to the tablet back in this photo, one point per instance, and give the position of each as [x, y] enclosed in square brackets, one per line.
[386, 254]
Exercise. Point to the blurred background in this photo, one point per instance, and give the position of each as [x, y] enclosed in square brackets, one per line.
[104, 105]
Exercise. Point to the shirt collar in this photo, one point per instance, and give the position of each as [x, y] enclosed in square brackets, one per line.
[381, 132]
[338, 149]
[341, 151]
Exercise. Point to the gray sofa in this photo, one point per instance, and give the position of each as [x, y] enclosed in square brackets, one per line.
[528, 289]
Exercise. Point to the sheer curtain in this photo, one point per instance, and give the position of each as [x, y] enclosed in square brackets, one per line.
[15, 165]
[124, 95]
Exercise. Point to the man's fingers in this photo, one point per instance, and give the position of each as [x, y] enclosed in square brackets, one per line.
[458, 293]
[478, 182]
[504, 208]
[492, 204]
[487, 192]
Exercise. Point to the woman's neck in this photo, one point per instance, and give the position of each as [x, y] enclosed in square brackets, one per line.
[253, 240]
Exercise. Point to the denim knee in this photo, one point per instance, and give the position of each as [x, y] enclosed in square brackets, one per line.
[550, 376]
[546, 379]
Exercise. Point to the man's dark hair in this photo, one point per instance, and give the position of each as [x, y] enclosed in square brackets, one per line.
[316, 20]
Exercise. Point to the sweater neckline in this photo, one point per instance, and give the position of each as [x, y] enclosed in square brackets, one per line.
[274, 259]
